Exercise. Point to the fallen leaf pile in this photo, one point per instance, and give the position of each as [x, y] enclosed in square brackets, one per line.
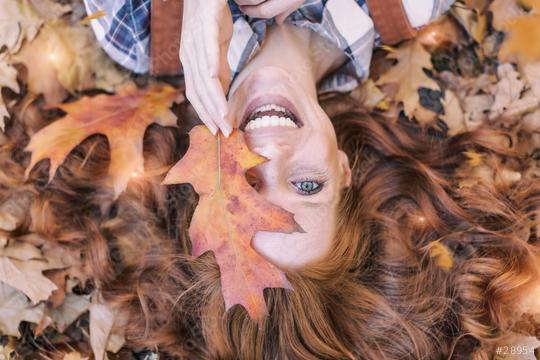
[478, 65]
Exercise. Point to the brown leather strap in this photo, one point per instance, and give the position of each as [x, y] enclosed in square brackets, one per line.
[391, 20]
[165, 32]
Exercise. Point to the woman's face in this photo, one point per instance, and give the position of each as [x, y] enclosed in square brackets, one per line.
[305, 172]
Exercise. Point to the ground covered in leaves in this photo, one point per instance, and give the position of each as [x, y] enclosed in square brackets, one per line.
[479, 64]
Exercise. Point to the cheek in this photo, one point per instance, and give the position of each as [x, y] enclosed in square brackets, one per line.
[296, 250]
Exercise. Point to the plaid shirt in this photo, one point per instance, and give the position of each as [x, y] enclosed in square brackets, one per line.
[124, 32]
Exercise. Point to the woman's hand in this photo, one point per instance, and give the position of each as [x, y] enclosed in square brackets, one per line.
[206, 35]
[279, 9]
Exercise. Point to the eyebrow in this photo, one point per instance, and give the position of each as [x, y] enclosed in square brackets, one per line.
[322, 172]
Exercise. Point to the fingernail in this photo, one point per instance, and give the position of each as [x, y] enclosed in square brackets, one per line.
[226, 132]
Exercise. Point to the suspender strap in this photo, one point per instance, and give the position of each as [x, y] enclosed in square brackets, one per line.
[391, 20]
[165, 32]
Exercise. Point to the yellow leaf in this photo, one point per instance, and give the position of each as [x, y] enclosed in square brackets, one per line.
[442, 254]
[474, 158]
[96, 15]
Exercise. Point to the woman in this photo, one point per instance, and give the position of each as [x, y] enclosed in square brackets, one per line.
[277, 71]
[365, 284]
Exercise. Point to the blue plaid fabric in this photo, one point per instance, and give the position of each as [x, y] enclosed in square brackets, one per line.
[124, 33]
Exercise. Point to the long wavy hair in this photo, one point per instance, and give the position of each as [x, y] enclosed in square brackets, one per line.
[379, 294]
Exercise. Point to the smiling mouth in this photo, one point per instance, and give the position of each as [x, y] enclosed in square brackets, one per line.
[270, 115]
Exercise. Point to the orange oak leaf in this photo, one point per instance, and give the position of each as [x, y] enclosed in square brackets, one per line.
[229, 214]
[123, 118]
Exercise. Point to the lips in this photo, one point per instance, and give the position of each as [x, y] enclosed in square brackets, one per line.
[270, 112]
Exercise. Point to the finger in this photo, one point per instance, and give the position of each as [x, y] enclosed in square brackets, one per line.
[215, 61]
[192, 94]
[268, 9]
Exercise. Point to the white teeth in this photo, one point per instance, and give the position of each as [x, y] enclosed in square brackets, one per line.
[269, 107]
[270, 121]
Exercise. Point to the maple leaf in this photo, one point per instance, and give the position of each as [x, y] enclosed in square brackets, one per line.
[14, 308]
[18, 21]
[123, 118]
[21, 267]
[216, 168]
[408, 75]
[510, 99]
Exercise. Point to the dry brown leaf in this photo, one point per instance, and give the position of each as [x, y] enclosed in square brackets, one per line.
[369, 95]
[73, 307]
[453, 114]
[14, 308]
[65, 57]
[123, 118]
[476, 108]
[8, 79]
[510, 100]
[531, 71]
[49, 9]
[42, 76]
[27, 277]
[409, 76]
[74, 356]
[472, 21]
[14, 210]
[21, 266]
[18, 22]
[102, 337]
[479, 5]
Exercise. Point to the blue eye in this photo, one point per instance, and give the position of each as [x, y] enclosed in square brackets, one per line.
[308, 187]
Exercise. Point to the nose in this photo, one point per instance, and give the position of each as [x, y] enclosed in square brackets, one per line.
[272, 149]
